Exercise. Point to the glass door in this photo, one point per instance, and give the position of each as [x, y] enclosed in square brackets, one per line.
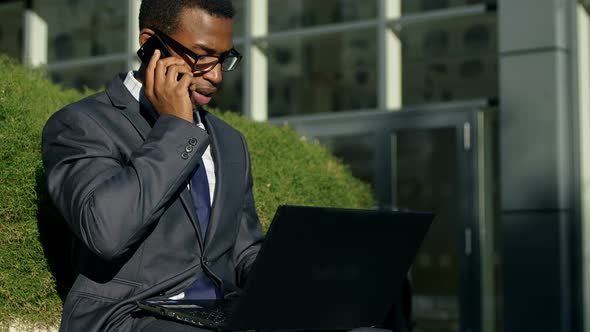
[439, 159]
[427, 178]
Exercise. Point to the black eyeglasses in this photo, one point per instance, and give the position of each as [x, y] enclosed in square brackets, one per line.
[205, 63]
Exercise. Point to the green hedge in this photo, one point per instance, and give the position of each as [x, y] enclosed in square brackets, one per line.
[286, 170]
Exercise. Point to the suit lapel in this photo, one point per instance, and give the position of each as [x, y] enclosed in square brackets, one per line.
[217, 157]
[141, 119]
[187, 201]
[130, 108]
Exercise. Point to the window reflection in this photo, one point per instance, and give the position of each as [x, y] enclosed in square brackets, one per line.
[326, 73]
[92, 27]
[239, 18]
[427, 178]
[283, 15]
[93, 76]
[356, 151]
[11, 28]
[451, 59]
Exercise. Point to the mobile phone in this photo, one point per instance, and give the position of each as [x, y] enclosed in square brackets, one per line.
[146, 51]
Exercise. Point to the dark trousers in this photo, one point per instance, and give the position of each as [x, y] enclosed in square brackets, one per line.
[160, 325]
[170, 326]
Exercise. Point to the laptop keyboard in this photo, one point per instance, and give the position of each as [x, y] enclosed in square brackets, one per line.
[215, 315]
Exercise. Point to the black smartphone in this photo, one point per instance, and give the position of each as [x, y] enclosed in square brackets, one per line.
[146, 51]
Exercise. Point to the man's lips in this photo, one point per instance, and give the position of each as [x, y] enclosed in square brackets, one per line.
[202, 95]
[200, 99]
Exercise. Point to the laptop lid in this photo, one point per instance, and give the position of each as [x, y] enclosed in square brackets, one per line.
[327, 268]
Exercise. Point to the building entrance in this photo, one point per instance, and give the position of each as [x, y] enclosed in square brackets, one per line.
[438, 160]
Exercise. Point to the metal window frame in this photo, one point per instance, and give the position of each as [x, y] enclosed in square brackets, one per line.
[581, 243]
[88, 61]
[442, 14]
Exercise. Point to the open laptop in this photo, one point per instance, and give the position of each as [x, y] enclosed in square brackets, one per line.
[318, 269]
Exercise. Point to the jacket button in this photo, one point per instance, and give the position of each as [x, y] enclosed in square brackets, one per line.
[184, 155]
[205, 261]
[188, 148]
[192, 141]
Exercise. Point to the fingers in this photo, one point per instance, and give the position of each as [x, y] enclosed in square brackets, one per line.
[157, 70]
[167, 71]
[174, 70]
[161, 68]
[167, 93]
[185, 82]
[150, 74]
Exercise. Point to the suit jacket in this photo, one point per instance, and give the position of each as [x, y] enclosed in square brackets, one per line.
[120, 181]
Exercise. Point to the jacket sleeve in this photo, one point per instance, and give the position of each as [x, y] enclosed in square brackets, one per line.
[110, 200]
[249, 239]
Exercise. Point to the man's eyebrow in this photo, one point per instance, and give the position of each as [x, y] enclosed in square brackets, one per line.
[209, 50]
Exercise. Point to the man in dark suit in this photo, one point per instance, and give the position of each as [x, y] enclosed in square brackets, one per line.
[157, 191]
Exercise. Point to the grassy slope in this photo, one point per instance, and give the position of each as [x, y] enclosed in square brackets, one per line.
[26, 285]
[286, 170]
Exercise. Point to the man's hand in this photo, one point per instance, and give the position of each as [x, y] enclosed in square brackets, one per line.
[168, 95]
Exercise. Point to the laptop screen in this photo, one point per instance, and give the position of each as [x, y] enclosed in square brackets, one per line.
[326, 268]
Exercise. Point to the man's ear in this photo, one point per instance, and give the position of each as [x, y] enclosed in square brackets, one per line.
[145, 34]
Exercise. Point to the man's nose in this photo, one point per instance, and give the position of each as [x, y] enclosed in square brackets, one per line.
[215, 75]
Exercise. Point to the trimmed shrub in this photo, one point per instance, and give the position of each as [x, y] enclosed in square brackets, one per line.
[286, 170]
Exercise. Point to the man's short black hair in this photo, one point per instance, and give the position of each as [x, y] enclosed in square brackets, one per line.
[165, 14]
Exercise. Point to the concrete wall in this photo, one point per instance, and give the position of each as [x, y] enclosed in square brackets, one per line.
[537, 163]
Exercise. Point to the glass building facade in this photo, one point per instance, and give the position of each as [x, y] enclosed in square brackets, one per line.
[412, 94]
[321, 56]
[11, 28]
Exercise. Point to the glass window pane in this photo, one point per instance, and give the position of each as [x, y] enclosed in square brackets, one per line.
[292, 14]
[84, 28]
[356, 151]
[426, 173]
[229, 95]
[450, 60]
[11, 28]
[93, 76]
[239, 18]
[326, 73]
[418, 6]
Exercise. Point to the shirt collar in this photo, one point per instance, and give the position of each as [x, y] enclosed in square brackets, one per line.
[137, 90]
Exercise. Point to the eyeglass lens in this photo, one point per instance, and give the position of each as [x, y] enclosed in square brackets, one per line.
[206, 63]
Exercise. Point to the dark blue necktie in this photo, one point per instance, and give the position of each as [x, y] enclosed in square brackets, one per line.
[202, 288]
